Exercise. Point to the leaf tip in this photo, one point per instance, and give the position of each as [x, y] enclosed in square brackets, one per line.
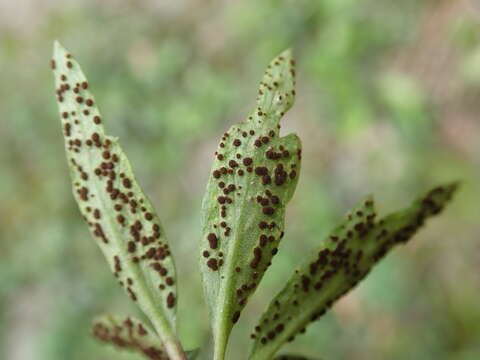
[276, 93]
[58, 48]
[287, 54]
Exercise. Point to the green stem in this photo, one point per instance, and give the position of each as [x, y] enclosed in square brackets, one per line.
[220, 347]
[172, 345]
[175, 351]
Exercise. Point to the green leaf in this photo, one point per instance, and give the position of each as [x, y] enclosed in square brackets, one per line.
[129, 334]
[120, 217]
[253, 177]
[344, 258]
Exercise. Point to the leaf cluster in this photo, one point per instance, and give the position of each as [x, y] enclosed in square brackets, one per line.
[253, 177]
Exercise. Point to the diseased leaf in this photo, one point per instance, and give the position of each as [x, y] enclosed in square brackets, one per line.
[120, 217]
[129, 334]
[253, 177]
[344, 259]
[294, 357]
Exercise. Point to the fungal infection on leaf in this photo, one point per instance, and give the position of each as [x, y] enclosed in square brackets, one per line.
[346, 256]
[130, 334]
[253, 177]
[119, 215]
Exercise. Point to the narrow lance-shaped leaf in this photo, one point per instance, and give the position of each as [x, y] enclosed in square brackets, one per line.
[120, 217]
[253, 177]
[294, 357]
[344, 259]
[129, 334]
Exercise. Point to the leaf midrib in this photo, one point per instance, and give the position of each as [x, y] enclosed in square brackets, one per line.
[233, 247]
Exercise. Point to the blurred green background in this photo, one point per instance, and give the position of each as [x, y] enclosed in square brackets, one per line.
[388, 102]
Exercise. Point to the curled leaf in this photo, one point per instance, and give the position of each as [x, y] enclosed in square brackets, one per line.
[344, 259]
[120, 217]
[253, 177]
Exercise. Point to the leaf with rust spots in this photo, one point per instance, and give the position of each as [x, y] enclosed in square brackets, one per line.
[253, 177]
[119, 215]
[294, 357]
[344, 259]
[129, 334]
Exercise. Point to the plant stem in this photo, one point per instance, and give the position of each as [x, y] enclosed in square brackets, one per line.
[219, 348]
[172, 345]
[174, 350]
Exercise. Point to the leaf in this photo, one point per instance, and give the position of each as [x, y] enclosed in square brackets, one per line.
[344, 259]
[130, 334]
[120, 217]
[294, 357]
[253, 177]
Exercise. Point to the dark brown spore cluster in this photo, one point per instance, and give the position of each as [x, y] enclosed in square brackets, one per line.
[102, 180]
[128, 334]
[351, 251]
[252, 176]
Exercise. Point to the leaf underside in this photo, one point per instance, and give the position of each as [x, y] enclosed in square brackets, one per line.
[253, 177]
[129, 334]
[120, 217]
[343, 260]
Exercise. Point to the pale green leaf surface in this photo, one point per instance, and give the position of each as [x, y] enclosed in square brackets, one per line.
[120, 217]
[253, 177]
[344, 259]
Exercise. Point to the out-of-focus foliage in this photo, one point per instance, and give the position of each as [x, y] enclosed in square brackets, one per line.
[387, 102]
